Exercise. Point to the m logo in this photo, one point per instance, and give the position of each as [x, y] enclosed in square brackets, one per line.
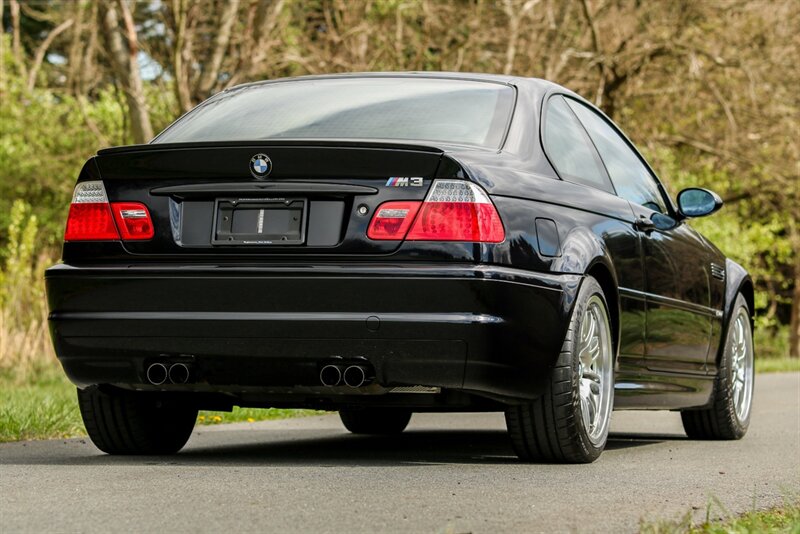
[404, 181]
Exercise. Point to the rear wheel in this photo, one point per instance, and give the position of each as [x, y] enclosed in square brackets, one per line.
[125, 422]
[728, 417]
[375, 420]
[569, 422]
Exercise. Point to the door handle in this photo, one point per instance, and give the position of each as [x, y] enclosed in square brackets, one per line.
[644, 224]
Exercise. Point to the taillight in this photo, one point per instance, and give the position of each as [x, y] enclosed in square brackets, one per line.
[392, 220]
[133, 220]
[454, 210]
[91, 217]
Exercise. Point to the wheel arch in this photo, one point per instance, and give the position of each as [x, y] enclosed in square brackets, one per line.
[737, 280]
[600, 271]
[585, 252]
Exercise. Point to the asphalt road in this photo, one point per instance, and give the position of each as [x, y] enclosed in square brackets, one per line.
[447, 473]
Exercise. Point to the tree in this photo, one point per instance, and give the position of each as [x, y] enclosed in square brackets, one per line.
[117, 22]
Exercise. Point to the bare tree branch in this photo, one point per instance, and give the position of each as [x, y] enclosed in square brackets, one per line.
[2, 54]
[514, 15]
[210, 75]
[42, 50]
[16, 41]
[126, 66]
[179, 51]
[601, 67]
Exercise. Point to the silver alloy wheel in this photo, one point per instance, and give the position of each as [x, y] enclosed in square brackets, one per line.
[742, 365]
[596, 369]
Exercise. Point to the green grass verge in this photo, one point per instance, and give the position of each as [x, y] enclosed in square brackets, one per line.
[777, 365]
[780, 520]
[48, 409]
[39, 411]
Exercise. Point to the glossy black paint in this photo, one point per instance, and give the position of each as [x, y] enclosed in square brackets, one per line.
[448, 325]
[485, 320]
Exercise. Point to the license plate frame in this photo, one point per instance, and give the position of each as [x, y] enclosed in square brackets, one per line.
[262, 218]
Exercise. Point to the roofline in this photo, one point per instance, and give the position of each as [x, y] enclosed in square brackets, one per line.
[442, 75]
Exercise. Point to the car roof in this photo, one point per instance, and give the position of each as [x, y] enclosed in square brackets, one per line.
[537, 84]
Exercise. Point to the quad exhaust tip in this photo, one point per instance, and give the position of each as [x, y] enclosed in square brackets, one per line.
[157, 374]
[354, 376]
[330, 375]
[179, 373]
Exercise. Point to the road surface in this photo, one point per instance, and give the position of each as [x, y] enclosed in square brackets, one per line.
[447, 473]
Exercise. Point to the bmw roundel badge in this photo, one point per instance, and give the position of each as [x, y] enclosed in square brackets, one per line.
[260, 165]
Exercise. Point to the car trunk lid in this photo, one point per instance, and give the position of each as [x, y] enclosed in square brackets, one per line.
[206, 199]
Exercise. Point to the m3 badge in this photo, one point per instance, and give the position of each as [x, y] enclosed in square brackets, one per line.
[404, 181]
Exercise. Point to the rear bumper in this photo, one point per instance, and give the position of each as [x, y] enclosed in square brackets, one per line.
[478, 328]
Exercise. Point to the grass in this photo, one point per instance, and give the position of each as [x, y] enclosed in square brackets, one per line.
[779, 520]
[250, 415]
[43, 410]
[777, 365]
[48, 409]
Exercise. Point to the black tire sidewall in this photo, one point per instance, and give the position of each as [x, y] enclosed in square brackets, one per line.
[589, 288]
[724, 396]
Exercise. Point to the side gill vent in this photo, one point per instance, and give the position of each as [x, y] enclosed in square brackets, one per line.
[718, 272]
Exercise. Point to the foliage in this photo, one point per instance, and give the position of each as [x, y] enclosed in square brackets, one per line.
[25, 347]
[781, 364]
[41, 410]
[779, 520]
[46, 135]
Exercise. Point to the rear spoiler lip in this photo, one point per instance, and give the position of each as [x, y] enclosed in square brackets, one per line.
[262, 143]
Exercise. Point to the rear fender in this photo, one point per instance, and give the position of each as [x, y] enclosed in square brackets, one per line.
[737, 280]
[585, 253]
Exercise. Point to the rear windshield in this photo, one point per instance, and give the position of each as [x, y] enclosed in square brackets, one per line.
[420, 109]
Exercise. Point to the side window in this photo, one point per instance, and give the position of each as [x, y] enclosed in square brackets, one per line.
[569, 148]
[631, 178]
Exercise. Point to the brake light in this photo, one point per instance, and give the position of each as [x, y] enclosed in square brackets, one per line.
[133, 220]
[392, 220]
[456, 210]
[92, 217]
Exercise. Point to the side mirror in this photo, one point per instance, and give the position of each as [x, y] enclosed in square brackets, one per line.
[696, 202]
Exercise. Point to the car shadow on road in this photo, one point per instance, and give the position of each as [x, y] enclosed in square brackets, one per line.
[619, 440]
[410, 447]
[311, 448]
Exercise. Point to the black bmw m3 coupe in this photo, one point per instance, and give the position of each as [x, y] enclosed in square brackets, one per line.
[383, 244]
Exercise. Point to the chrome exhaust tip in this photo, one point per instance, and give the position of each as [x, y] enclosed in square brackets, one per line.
[330, 375]
[356, 376]
[179, 373]
[157, 374]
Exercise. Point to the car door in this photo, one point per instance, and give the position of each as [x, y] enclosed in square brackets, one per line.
[676, 260]
[576, 160]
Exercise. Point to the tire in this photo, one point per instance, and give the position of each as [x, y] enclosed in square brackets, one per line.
[728, 415]
[123, 422]
[375, 420]
[560, 425]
